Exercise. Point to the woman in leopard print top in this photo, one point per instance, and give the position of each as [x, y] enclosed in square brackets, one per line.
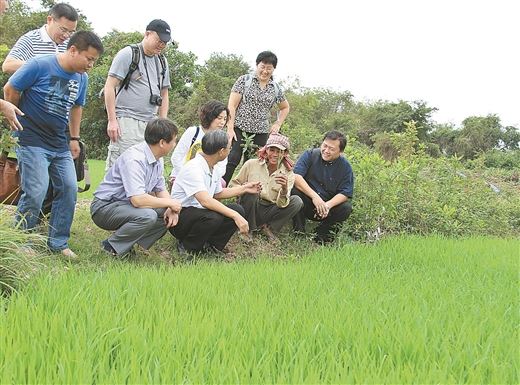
[250, 103]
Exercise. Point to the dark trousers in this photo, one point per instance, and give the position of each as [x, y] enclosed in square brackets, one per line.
[259, 212]
[199, 227]
[328, 227]
[237, 150]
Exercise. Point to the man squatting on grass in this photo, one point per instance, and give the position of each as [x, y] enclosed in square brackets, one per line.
[274, 206]
[51, 90]
[325, 182]
[132, 198]
[205, 224]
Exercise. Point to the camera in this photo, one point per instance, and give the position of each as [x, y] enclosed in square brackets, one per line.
[156, 100]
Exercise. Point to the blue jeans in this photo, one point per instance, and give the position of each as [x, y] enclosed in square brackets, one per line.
[37, 165]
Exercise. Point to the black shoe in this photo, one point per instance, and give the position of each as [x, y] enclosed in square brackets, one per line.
[183, 252]
[107, 248]
[210, 249]
[321, 240]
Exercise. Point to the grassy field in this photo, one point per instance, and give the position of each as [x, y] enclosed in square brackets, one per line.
[406, 310]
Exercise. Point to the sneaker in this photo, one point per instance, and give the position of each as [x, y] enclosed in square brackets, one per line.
[69, 254]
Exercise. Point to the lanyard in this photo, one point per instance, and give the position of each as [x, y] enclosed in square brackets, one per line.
[159, 85]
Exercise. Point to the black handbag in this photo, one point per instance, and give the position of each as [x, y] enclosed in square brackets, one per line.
[81, 166]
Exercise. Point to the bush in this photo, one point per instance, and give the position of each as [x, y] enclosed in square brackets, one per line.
[419, 194]
[509, 159]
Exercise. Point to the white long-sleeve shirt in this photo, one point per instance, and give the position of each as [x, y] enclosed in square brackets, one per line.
[185, 151]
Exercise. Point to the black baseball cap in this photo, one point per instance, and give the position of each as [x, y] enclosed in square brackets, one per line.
[162, 28]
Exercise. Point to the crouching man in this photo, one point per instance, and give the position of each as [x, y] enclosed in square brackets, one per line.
[205, 224]
[325, 182]
[132, 199]
[274, 206]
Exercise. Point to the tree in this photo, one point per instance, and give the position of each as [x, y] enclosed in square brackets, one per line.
[511, 138]
[444, 135]
[385, 116]
[478, 135]
[213, 81]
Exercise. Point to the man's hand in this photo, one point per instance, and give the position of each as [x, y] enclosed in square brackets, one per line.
[175, 206]
[243, 226]
[171, 218]
[322, 209]
[74, 148]
[113, 131]
[252, 187]
[10, 111]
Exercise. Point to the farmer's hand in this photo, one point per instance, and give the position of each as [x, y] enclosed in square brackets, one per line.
[283, 181]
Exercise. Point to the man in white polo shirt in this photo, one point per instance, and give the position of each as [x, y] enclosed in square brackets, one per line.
[205, 224]
[51, 38]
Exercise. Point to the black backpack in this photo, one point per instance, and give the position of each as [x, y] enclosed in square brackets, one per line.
[134, 65]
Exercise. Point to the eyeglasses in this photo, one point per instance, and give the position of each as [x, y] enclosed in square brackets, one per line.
[63, 30]
[158, 40]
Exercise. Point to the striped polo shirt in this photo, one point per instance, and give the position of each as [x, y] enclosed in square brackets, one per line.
[35, 43]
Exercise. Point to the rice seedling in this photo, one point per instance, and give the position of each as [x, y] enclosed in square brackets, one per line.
[406, 310]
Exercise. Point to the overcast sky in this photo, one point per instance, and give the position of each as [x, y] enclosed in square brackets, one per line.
[460, 56]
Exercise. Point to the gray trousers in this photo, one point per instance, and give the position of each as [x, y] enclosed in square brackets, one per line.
[132, 225]
[259, 212]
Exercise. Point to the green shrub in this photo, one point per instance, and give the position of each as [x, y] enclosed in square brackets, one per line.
[509, 160]
[419, 194]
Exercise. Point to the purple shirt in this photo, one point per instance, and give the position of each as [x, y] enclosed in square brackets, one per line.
[135, 172]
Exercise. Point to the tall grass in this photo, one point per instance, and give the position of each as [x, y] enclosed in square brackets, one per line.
[421, 310]
[18, 260]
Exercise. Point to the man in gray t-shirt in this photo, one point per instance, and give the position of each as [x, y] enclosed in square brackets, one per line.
[133, 107]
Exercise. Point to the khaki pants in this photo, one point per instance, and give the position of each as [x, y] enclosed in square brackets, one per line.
[132, 132]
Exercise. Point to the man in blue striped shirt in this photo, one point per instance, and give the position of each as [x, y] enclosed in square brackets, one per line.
[51, 38]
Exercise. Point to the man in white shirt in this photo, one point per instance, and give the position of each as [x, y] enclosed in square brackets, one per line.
[205, 224]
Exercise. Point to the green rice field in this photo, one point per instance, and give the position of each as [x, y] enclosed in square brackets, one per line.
[405, 310]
